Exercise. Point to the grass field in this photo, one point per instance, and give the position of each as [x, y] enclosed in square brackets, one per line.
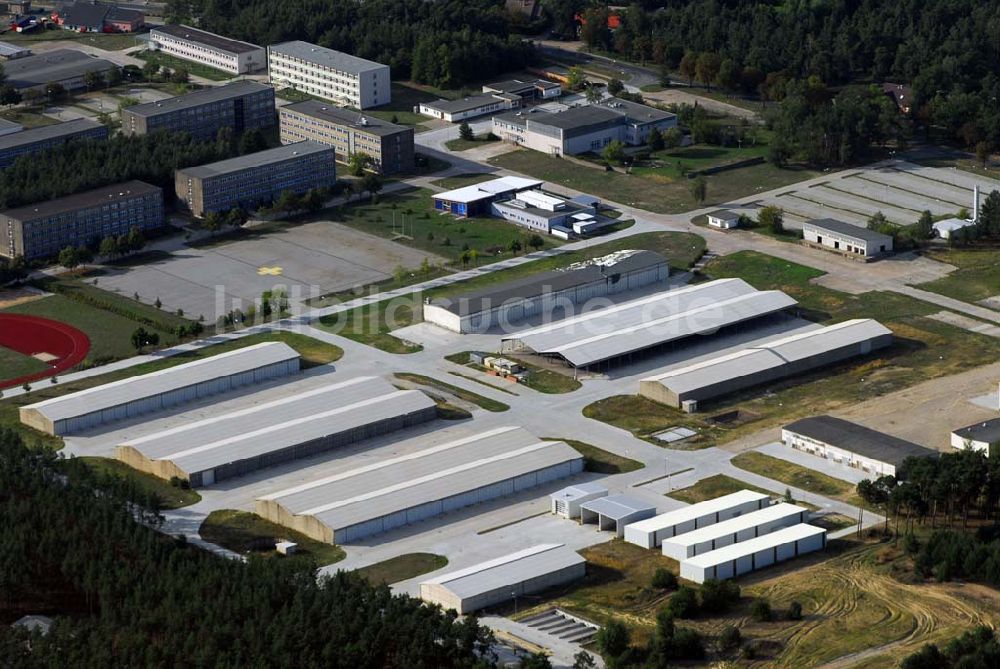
[460, 144]
[460, 393]
[600, 461]
[245, 533]
[676, 163]
[794, 475]
[14, 364]
[402, 567]
[370, 325]
[644, 418]
[108, 42]
[450, 183]
[977, 276]
[170, 497]
[405, 96]
[653, 191]
[173, 63]
[27, 119]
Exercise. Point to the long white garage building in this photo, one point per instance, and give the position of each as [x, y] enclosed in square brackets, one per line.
[789, 356]
[734, 530]
[160, 390]
[303, 424]
[500, 580]
[399, 491]
[607, 334]
[654, 531]
[753, 554]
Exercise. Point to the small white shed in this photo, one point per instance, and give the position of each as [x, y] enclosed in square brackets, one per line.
[566, 502]
[724, 219]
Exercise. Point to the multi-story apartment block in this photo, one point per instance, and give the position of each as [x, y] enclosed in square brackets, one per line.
[324, 73]
[256, 179]
[198, 46]
[33, 140]
[389, 146]
[42, 230]
[241, 106]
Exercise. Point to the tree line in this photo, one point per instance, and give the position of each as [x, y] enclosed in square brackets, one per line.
[80, 543]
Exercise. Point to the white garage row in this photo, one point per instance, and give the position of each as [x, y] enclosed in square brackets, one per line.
[734, 530]
[615, 512]
[753, 554]
[652, 532]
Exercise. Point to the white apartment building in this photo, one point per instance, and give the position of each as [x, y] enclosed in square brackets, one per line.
[331, 75]
[207, 48]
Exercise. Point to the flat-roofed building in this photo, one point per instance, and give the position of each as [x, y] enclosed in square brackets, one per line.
[547, 293]
[475, 200]
[501, 579]
[270, 433]
[256, 179]
[852, 445]
[33, 140]
[389, 146]
[544, 212]
[654, 531]
[43, 229]
[146, 393]
[851, 240]
[983, 436]
[9, 51]
[66, 67]
[97, 17]
[406, 489]
[9, 127]
[734, 530]
[537, 89]
[239, 106]
[455, 111]
[753, 554]
[615, 512]
[685, 386]
[199, 46]
[566, 502]
[328, 74]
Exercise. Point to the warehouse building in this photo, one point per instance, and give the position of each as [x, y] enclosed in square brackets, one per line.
[43, 229]
[239, 106]
[199, 46]
[299, 426]
[475, 200]
[547, 293]
[614, 512]
[96, 17]
[851, 445]
[538, 89]
[983, 436]
[34, 140]
[649, 324]
[65, 67]
[753, 554]
[389, 146]
[505, 578]
[256, 179]
[139, 395]
[328, 74]
[848, 239]
[797, 354]
[566, 502]
[547, 213]
[734, 530]
[654, 531]
[456, 111]
[382, 496]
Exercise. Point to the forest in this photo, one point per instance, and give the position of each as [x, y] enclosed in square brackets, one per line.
[80, 547]
[446, 43]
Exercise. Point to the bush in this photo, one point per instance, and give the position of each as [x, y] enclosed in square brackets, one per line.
[718, 596]
[760, 610]
[663, 579]
[683, 603]
[795, 611]
[687, 644]
[730, 638]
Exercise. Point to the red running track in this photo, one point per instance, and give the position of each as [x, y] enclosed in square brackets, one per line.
[31, 335]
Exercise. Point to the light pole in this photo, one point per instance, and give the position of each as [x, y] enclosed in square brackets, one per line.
[513, 595]
[666, 463]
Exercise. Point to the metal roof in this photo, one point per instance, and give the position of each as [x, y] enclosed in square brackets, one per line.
[988, 431]
[737, 524]
[336, 60]
[744, 548]
[617, 507]
[724, 214]
[576, 118]
[507, 570]
[848, 230]
[211, 40]
[858, 439]
[464, 104]
[339, 116]
[236, 89]
[86, 200]
[694, 511]
[7, 49]
[162, 381]
[487, 189]
[253, 160]
[778, 353]
[581, 274]
[46, 132]
[428, 475]
[579, 490]
[638, 324]
[52, 66]
[636, 113]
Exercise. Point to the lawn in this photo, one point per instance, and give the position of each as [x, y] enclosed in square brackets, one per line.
[244, 533]
[977, 276]
[27, 119]
[644, 418]
[715, 486]
[108, 42]
[171, 497]
[793, 474]
[600, 461]
[460, 393]
[402, 568]
[460, 180]
[405, 96]
[657, 192]
[460, 144]
[14, 364]
[173, 63]
[676, 163]
[370, 325]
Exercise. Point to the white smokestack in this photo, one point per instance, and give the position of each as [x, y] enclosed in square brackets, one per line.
[975, 203]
